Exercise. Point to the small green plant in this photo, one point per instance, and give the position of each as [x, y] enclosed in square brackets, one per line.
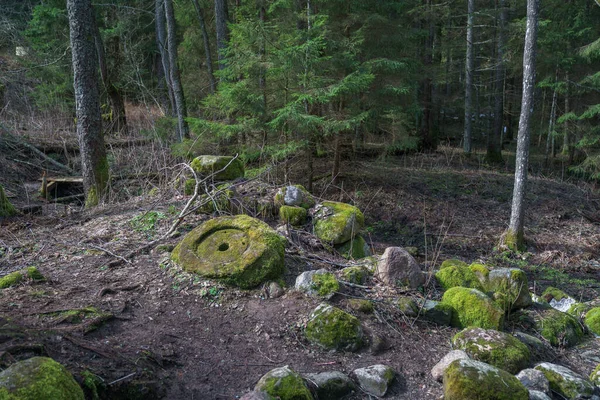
[146, 222]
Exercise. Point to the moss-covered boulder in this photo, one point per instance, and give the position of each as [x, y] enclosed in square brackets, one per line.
[493, 347]
[225, 168]
[319, 283]
[481, 272]
[334, 329]
[292, 215]
[558, 328]
[375, 379]
[567, 383]
[436, 312]
[467, 379]
[354, 249]
[454, 273]
[354, 274]
[437, 372]
[294, 195]
[510, 288]
[592, 320]
[471, 307]
[38, 378]
[331, 385]
[18, 276]
[407, 306]
[284, 384]
[240, 250]
[337, 223]
[595, 376]
[539, 350]
[558, 299]
[6, 208]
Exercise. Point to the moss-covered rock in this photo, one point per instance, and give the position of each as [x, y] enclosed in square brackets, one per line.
[558, 328]
[331, 385]
[18, 276]
[471, 307]
[241, 251]
[375, 379]
[481, 272]
[493, 347]
[354, 249]
[355, 274]
[6, 208]
[38, 378]
[578, 310]
[397, 267]
[206, 165]
[436, 312]
[361, 305]
[567, 383]
[284, 384]
[510, 288]
[319, 283]
[467, 379]
[558, 299]
[554, 293]
[592, 320]
[595, 376]
[337, 223]
[334, 329]
[407, 306]
[294, 195]
[292, 215]
[454, 273]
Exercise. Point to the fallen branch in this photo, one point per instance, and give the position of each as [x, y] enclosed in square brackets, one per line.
[107, 290]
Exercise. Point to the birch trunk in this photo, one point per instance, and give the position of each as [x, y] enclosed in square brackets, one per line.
[161, 41]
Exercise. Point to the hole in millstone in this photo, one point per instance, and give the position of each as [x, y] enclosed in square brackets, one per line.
[223, 247]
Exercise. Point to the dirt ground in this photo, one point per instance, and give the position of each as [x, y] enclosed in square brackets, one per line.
[145, 330]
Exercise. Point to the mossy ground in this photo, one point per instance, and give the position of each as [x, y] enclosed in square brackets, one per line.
[362, 305]
[473, 308]
[6, 208]
[592, 320]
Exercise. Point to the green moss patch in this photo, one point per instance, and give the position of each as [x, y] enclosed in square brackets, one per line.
[337, 223]
[284, 384]
[466, 379]
[325, 284]
[510, 288]
[38, 378]
[354, 249]
[481, 271]
[334, 329]
[566, 382]
[293, 215]
[17, 277]
[592, 320]
[241, 251]
[6, 208]
[355, 274]
[493, 347]
[456, 274]
[361, 305]
[471, 307]
[595, 376]
[206, 165]
[453, 263]
[554, 293]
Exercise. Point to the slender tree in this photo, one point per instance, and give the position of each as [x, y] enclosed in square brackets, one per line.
[180, 107]
[206, 41]
[514, 237]
[469, 68]
[494, 145]
[161, 42]
[94, 164]
[221, 19]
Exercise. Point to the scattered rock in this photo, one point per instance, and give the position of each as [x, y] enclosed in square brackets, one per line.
[334, 329]
[454, 273]
[558, 328]
[284, 384]
[337, 223]
[566, 382]
[375, 379]
[319, 283]
[293, 215]
[534, 379]
[436, 312]
[294, 195]
[18, 276]
[354, 249]
[6, 208]
[254, 395]
[510, 288]
[274, 290]
[467, 379]
[38, 378]
[481, 272]
[438, 369]
[398, 268]
[539, 350]
[355, 274]
[558, 299]
[473, 308]
[331, 385]
[206, 165]
[592, 321]
[495, 348]
[361, 305]
[407, 306]
[537, 395]
[240, 250]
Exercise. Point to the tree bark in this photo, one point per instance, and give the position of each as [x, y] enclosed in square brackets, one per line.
[514, 237]
[494, 147]
[161, 41]
[208, 56]
[469, 68]
[549, 138]
[221, 19]
[180, 107]
[94, 164]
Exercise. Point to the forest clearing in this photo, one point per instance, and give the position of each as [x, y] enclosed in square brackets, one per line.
[314, 206]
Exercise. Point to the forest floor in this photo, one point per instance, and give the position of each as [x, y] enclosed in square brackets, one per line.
[147, 331]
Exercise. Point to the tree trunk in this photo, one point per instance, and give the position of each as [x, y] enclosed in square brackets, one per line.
[221, 19]
[428, 139]
[550, 137]
[469, 68]
[94, 164]
[514, 237]
[569, 140]
[180, 108]
[161, 41]
[208, 56]
[494, 148]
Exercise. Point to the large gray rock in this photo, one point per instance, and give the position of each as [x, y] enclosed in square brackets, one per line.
[534, 379]
[375, 379]
[438, 369]
[398, 268]
[331, 385]
[566, 382]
